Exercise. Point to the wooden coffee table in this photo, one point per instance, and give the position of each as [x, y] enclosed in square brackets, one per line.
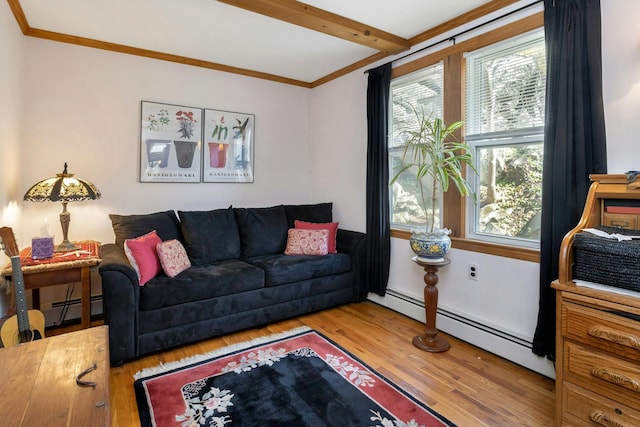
[39, 381]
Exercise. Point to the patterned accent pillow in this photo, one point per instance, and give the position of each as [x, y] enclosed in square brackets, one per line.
[307, 242]
[143, 257]
[331, 226]
[173, 257]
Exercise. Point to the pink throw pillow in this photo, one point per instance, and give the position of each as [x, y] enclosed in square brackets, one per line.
[143, 257]
[307, 242]
[331, 226]
[173, 257]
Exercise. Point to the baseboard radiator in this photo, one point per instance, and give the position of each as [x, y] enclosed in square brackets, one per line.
[53, 312]
[506, 344]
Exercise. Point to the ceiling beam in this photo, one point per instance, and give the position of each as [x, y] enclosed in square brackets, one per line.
[313, 18]
[18, 13]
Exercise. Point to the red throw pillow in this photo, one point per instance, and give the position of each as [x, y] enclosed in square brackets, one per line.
[143, 257]
[331, 226]
[307, 242]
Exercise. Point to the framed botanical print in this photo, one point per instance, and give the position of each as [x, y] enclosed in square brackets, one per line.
[170, 143]
[227, 146]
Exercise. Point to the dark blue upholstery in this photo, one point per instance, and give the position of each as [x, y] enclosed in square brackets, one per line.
[210, 236]
[281, 269]
[202, 282]
[131, 226]
[319, 212]
[213, 297]
[263, 231]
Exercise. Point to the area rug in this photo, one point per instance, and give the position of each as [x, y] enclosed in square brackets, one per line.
[298, 378]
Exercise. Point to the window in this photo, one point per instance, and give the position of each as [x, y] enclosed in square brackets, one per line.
[504, 123]
[423, 92]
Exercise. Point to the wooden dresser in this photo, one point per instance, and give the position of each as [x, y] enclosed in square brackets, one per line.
[598, 332]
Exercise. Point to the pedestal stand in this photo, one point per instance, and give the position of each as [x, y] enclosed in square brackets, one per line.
[430, 340]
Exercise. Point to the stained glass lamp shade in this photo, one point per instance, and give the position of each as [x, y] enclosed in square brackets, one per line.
[63, 188]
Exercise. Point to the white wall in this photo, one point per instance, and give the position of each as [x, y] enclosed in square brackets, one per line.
[505, 296]
[11, 83]
[621, 76]
[82, 106]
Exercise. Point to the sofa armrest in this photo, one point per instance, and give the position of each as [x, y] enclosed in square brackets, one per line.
[353, 243]
[120, 299]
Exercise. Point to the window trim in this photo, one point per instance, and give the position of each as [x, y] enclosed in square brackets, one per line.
[454, 205]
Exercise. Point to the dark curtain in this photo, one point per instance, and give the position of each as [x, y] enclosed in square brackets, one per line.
[378, 227]
[574, 139]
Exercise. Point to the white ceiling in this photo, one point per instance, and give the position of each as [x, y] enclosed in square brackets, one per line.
[212, 31]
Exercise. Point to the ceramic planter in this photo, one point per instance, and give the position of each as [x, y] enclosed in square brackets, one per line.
[431, 247]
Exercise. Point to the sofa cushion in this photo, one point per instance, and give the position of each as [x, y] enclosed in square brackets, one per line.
[201, 283]
[131, 226]
[173, 257]
[280, 269]
[263, 231]
[210, 236]
[143, 257]
[332, 227]
[319, 212]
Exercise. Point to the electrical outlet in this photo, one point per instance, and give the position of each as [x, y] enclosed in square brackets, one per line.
[472, 271]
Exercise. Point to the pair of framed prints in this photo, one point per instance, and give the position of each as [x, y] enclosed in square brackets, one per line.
[187, 144]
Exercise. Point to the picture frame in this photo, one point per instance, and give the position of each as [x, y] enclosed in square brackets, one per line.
[170, 143]
[228, 146]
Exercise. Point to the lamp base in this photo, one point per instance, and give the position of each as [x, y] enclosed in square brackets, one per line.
[66, 246]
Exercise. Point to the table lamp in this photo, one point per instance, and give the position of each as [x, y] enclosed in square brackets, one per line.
[63, 188]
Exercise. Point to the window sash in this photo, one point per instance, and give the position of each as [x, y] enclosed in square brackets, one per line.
[498, 103]
[422, 89]
[473, 208]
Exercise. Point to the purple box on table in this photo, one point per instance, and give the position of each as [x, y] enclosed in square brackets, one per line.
[41, 247]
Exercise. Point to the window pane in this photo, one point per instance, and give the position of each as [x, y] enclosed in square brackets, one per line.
[420, 92]
[506, 85]
[407, 197]
[510, 190]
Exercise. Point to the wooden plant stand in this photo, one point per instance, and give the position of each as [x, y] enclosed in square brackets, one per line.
[430, 340]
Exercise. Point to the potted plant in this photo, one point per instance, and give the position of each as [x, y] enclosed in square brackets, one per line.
[431, 150]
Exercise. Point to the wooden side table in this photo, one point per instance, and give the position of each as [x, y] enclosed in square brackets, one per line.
[430, 340]
[39, 381]
[63, 268]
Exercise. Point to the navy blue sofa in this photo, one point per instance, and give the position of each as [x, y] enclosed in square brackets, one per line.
[239, 278]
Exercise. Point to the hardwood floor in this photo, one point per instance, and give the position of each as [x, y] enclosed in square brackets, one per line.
[469, 386]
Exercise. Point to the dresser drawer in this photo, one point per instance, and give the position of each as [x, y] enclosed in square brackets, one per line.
[603, 373]
[620, 220]
[603, 330]
[582, 407]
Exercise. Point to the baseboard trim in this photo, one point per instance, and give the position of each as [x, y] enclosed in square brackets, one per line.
[506, 344]
[53, 310]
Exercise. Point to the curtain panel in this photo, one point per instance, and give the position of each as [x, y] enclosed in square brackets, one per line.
[378, 222]
[575, 144]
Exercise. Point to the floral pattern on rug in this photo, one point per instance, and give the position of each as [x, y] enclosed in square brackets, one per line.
[252, 360]
[300, 380]
[204, 408]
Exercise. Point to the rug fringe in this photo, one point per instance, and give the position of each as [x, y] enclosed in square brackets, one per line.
[165, 367]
